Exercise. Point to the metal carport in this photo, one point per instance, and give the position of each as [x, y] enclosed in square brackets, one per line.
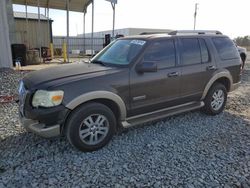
[68, 5]
[74, 5]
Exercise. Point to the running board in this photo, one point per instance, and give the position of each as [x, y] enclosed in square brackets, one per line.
[159, 114]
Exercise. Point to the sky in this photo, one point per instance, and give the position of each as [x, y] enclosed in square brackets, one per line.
[231, 17]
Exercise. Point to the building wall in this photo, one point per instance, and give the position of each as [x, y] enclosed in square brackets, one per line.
[33, 38]
[137, 31]
[82, 44]
[5, 52]
[125, 32]
[78, 43]
[102, 34]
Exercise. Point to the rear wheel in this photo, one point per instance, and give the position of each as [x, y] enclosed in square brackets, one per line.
[90, 127]
[215, 100]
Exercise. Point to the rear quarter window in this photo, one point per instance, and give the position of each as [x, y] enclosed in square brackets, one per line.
[225, 48]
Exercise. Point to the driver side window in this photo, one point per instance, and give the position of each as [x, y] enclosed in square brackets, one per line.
[161, 52]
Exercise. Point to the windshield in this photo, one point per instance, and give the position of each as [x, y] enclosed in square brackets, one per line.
[120, 52]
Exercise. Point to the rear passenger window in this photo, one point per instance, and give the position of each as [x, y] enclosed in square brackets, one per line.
[204, 51]
[190, 51]
[161, 52]
[225, 48]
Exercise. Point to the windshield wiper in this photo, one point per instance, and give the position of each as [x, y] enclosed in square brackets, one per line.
[98, 62]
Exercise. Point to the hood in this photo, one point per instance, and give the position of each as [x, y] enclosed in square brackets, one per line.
[62, 72]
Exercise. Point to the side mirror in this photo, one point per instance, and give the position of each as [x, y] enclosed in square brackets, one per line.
[146, 67]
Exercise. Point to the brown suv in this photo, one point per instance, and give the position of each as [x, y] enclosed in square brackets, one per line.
[131, 81]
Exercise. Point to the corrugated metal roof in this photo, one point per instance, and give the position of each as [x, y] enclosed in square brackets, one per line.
[74, 5]
[32, 16]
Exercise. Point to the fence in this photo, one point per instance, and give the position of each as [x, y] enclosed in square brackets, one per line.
[79, 43]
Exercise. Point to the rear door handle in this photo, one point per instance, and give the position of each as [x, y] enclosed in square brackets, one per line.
[173, 74]
[211, 67]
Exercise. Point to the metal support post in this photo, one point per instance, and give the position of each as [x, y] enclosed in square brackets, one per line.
[27, 26]
[39, 30]
[92, 29]
[67, 5]
[49, 36]
[84, 22]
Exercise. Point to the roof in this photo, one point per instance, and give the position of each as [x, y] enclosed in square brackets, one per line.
[32, 16]
[74, 5]
[166, 35]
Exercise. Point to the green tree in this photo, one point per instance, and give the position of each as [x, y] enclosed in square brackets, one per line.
[243, 41]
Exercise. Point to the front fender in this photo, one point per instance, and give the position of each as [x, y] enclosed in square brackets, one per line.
[99, 95]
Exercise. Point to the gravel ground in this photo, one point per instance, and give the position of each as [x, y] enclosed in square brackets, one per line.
[188, 150]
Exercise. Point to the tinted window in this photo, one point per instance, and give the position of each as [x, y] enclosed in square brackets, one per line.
[204, 51]
[225, 48]
[162, 52]
[190, 51]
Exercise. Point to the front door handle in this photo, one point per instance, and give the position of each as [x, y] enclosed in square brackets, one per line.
[173, 74]
[211, 67]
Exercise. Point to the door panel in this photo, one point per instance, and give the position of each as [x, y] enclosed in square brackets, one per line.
[191, 84]
[208, 66]
[152, 91]
[196, 68]
[161, 89]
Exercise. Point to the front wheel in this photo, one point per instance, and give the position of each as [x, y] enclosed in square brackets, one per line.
[90, 127]
[215, 100]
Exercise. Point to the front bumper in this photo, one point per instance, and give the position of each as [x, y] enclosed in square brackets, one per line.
[39, 128]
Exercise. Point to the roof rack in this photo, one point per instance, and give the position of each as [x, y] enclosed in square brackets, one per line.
[195, 32]
[151, 33]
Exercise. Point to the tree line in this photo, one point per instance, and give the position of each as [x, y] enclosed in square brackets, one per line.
[242, 41]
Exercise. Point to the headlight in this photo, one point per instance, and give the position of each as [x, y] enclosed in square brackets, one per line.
[47, 98]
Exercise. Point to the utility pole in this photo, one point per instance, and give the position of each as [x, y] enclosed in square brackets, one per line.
[113, 29]
[195, 14]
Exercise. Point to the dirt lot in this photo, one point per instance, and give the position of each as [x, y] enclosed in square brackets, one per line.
[188, 150]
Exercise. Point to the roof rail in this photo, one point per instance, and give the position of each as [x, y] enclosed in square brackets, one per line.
[193, 32]
[151, 33]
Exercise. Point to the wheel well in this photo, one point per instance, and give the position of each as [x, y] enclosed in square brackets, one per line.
[243, 57]
[107, 102]
[225, 81]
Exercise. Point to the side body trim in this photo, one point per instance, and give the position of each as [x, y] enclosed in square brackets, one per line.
[99, 95]
[218, 75]
[162, 113]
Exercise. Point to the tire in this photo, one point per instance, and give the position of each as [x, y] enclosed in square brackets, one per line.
[90, 127]
[214, 106]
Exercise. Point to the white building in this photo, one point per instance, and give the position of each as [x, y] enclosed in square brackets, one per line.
[126, 32]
